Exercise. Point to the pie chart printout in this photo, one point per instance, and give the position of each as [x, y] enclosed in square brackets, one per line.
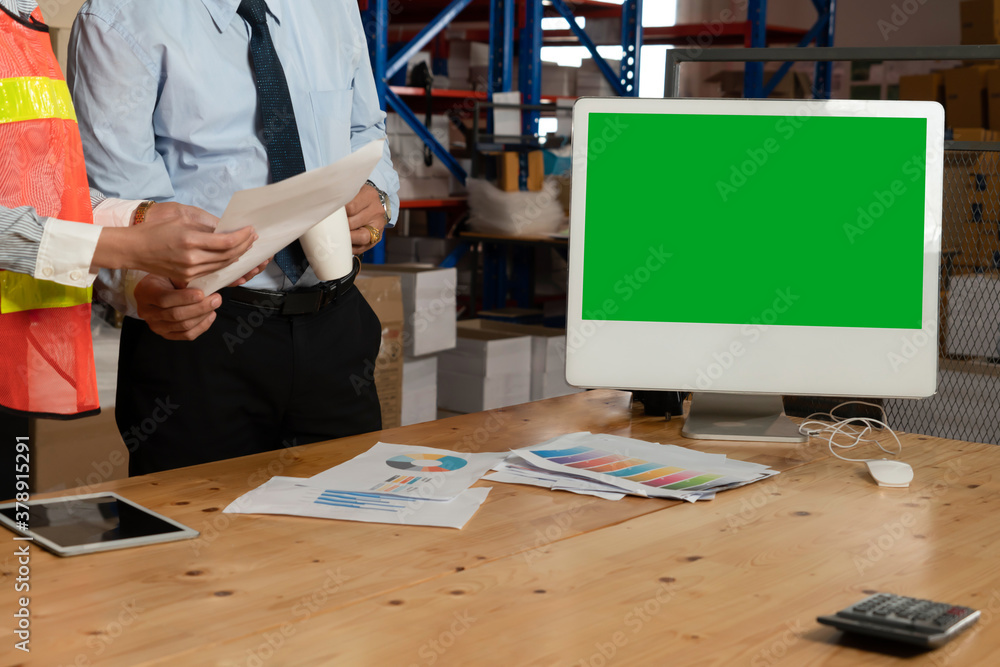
[426, 462]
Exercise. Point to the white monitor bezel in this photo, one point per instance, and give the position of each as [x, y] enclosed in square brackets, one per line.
[829, 361]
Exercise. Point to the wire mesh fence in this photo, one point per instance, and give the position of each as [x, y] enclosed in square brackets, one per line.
[967, 403]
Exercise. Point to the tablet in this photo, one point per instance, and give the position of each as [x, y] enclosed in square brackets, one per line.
[74, 525]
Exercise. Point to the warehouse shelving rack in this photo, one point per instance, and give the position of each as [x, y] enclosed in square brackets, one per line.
[519, 22]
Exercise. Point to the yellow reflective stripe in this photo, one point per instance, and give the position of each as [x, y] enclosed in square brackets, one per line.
[19, 292]
[34, 97]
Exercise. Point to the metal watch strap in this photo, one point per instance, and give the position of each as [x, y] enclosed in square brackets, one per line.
[384, 199]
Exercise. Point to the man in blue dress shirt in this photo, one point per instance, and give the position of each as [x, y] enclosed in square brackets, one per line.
[168, 109]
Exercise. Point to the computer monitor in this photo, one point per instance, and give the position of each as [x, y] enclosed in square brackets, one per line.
[748, 249]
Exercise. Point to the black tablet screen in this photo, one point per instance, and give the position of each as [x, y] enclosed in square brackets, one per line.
[91, 521]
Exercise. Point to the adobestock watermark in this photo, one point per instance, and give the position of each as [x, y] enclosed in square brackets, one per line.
[434, 649]
[911, 345]
[752, 504]
[211, 530]
[750, 333]
[304, 609]
[140, 432]
[560, 527]
[893, 532]
[877, 548]
[744, 171]
[778, 648]
[899, 16]
[625, 287]
[883, 200]
[988, 614]
[634, 621]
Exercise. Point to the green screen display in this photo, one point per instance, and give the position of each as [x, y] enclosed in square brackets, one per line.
[809, 221]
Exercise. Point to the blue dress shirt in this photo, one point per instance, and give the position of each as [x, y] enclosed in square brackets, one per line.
[168, 110]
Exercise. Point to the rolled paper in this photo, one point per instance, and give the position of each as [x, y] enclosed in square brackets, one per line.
[328, 247]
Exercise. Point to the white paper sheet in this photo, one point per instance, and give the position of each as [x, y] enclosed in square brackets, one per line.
[299, 497]
[407, 471]
[284, 211]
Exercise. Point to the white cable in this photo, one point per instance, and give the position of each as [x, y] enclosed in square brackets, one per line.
[845, 426]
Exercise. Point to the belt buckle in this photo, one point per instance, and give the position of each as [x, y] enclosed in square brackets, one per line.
[302, 303]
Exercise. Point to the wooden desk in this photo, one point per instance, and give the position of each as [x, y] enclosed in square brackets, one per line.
[536, 577]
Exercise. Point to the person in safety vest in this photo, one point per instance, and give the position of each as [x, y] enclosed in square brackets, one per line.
[55, 232]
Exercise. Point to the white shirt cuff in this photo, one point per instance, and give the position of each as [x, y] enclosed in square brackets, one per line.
[132, 278]
[115, 212]
[66, 253]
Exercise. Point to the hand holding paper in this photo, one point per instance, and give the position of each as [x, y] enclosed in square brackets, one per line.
[283, 212]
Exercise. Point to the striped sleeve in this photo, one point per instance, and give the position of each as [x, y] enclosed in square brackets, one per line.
[21, 232]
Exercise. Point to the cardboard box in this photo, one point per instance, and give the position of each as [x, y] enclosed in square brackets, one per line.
[980, 21]
[419, 390]
[993, 99]
[384, 295]
[965, 96]
[548, 355]
[794, 85]
[926, 87]
[536, 171]
[972, 134]
[428, 305]
[509, 172]
[486, 370]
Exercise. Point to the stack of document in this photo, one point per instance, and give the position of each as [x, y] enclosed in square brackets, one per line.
[399, 484]
[610, 467]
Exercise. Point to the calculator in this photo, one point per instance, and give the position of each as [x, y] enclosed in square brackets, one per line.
[911, 620]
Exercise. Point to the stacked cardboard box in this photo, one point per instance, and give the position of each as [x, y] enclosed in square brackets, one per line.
[794, 85]
[971, 214]
[965, 96]
[428, 298]
[428, 315]
[485, 370]
[384, 295]
[419, 390]
[980, 21]
[548, 355]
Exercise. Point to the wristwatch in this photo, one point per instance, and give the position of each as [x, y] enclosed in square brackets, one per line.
[384, 198]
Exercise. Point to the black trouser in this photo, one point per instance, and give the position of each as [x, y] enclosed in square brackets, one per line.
[254, 382]
[12, 427]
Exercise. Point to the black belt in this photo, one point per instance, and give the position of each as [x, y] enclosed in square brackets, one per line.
[301, 301]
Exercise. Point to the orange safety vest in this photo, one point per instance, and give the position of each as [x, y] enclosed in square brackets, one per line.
[46, 354]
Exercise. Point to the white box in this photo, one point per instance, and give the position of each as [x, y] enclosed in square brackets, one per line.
[488, 353]
[428, 306]
[486, 370]
[548, 355]
[972, 326]
[461, 392]
[419, 390]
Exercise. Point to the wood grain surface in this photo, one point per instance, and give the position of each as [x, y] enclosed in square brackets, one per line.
[536, 577]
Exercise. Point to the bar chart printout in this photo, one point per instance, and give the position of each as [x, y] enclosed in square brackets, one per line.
[641, 468]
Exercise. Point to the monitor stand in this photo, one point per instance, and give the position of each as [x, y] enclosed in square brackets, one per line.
[753, 417]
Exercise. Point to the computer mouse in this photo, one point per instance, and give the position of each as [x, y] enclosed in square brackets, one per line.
[890, 473]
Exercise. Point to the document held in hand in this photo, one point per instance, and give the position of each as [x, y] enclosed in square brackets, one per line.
[285, 211]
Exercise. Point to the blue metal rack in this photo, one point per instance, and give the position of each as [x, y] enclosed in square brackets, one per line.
[502, 14]
[821, 33]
